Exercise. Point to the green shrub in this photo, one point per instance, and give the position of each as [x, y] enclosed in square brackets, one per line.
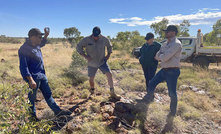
[77, 61]
[14, 108]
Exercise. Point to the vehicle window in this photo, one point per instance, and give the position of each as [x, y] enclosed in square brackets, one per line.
[185, 42]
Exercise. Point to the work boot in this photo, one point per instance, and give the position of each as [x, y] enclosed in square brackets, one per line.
[113, 95]
[63, 112]
[92, 90]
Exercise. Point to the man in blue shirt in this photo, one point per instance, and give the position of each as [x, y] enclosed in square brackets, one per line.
[33, 72]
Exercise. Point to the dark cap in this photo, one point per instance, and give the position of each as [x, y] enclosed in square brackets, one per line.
[96, 31]
[171, 28]
[34, 32]
[149, 36]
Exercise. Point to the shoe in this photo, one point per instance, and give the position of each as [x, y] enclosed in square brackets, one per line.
[63, 112]
[114, 96]
[92, 90]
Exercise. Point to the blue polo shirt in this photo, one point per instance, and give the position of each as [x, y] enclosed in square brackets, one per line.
[31, 60]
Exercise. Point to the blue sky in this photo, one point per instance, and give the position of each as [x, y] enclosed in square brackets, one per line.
[17, 17]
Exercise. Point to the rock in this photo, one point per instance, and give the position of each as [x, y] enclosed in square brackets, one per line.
[126, 100]
[107, 109]
[71, 127]
[128, 117]
[105, 116]
[184, 87]
[195, 89]
[158, 98]
[77, 110]
[201, 92]
[124, 107]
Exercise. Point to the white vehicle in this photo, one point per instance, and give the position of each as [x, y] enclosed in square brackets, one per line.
[194, 52]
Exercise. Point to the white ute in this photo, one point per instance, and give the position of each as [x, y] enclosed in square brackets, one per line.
[194, 52]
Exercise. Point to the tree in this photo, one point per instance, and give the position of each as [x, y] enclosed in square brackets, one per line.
[184, 29]
[214, 37]
[135, 33]
[72, 34]
[158, 28]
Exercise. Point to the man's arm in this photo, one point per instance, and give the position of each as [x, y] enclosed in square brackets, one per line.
[169, 52]
[80, 50]
[24, 69]
[44, 40]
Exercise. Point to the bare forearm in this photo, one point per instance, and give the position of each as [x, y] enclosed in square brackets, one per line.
[29, 78]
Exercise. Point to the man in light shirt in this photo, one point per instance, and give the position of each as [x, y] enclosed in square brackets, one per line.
[169, 56]
[95, 55]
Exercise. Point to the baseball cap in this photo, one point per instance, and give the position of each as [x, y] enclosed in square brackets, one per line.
[96, 31]
[171, 28]
[34, 32]
[149, 36]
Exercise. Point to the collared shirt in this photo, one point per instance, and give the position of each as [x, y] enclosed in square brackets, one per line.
[31, 60]
[170, 53]
[95, 49]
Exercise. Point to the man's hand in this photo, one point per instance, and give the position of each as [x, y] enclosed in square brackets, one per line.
[88, 58]
[107, 57]
[32, 84]
[156, 58]
[47, 31]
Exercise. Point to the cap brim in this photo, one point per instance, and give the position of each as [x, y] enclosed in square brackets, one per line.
[164, 30]
[42, 34]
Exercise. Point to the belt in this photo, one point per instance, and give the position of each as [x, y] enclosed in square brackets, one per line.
[169, 68]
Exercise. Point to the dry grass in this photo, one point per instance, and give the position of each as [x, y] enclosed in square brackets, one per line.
[57, 59]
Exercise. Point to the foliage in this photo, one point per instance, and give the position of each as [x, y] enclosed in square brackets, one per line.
[158, 28]
[184, 29]
[214, 37]
[55, 40]
[73, 35]
[14, 108]
[13, 40]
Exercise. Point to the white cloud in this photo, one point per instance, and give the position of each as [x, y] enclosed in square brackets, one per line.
[201, 17]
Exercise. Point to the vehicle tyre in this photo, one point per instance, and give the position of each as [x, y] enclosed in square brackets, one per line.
[201, 61]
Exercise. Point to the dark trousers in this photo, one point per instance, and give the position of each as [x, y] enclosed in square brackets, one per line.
[149, 73]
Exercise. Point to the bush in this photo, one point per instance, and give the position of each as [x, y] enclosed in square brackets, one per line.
[12, 40]
[77, 61]
[14, 108]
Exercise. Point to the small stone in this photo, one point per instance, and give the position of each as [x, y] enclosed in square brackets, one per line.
[105, 116]
[77, 110]
[201, 92]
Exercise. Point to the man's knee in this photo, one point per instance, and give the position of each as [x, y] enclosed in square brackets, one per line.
[172, 95]
[91, 79]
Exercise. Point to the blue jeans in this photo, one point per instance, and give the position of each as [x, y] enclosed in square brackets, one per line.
[149, 73]
[42, 84]
[170, 76]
